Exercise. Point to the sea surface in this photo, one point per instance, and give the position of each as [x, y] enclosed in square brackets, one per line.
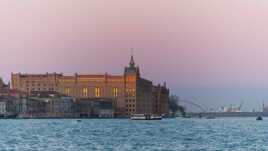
[244, 134]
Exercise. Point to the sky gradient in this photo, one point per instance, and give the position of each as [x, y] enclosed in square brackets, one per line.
[213, 52]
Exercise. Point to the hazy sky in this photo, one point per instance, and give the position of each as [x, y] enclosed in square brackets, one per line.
[214, 52]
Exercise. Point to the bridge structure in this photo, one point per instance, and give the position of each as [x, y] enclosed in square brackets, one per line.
[198, 106]
[206, 113]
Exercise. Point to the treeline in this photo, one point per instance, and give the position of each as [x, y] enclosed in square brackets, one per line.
[174, 105]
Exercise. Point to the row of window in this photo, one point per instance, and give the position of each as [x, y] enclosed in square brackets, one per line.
[39, 89]
[97, 92]
[33, 85]
[130, 105]
[130, 92]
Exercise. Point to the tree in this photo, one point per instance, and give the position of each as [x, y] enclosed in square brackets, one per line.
[174, 105]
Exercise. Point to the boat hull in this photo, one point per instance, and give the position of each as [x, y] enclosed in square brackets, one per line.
[146, 117]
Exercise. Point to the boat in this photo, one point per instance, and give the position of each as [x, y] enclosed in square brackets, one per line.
[145, 117]
[259, 118]
[156, 117]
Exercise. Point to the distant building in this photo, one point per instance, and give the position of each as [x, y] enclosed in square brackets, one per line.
[133, 94]
[98, 108]
[3, 110]
[6, 91]
[47, 104]
[160, 99]
[7, 106]
[35, 82]
[61, 107]
[35, 107]
[13, 93]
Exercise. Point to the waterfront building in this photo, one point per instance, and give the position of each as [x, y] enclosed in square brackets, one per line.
[95, 107]
[6, 91]
[35, 108]
[104, 109]
[62, 106]
[3, 109]
[160, 99]
[133, 94]
[7, 106]
[12, 93]
[47, 104]
[35, 82]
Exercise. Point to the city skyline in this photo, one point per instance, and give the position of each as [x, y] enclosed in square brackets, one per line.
[213, 53]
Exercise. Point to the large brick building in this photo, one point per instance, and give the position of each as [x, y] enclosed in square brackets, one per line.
[131, 92]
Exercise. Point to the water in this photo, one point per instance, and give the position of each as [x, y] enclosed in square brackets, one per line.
[125, 135]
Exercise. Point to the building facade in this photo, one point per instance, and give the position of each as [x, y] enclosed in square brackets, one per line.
[95, 108]
[35, 82]
[160, 99]
[132, 93]
[7, 106]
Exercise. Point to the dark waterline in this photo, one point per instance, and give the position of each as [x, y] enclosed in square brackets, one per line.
[123, 134]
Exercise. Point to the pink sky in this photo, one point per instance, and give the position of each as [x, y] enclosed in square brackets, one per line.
[208, 44]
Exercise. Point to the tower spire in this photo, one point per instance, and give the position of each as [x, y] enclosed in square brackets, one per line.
[132, 68]
[132, 62]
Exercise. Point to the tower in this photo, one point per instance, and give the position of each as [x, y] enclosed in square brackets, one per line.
[132, 69]
[131, 75]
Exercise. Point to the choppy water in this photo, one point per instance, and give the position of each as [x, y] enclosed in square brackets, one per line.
[123, 135]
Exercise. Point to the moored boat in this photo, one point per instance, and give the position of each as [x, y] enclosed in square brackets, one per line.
[145, 117]
[259, 118]
[156, 117]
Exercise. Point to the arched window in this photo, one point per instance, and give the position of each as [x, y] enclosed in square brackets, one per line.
[115, 92]
[85, 92]
[97, 92]
[67, 91]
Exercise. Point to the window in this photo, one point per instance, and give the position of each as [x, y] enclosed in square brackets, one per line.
[132, 92]
[85, 92]
[67, 91]
[115, 92]
[127, 92]
[97, 92]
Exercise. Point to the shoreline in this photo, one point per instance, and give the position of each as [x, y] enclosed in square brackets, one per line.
[229, 114]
